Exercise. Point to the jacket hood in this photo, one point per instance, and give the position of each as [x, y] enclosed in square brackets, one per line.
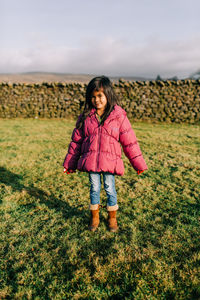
[115, 113]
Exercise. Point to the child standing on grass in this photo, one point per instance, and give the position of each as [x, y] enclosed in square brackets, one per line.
[95, 147]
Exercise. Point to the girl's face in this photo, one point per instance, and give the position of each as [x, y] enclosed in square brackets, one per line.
[99, 100]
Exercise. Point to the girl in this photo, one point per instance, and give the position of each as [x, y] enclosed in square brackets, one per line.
[95, 147]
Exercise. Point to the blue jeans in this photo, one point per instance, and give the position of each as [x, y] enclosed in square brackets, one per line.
[109, 186]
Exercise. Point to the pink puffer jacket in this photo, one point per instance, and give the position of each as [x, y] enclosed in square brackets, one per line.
[97, 148]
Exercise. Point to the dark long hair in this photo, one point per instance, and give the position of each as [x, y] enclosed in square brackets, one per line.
[96, 84]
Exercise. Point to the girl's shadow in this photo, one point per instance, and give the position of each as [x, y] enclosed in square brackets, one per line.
[14, 181]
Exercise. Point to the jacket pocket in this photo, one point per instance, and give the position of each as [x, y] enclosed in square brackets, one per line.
[85, 145]
[117, 149]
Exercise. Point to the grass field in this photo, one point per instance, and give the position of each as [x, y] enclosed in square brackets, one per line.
[46, 250]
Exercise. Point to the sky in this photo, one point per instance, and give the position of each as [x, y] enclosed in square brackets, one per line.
[143, 38]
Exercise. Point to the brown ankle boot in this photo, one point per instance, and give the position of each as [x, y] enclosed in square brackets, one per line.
[94, 220]
[112, 221]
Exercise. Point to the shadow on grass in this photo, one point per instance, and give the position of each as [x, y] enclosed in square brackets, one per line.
[13, 180]
[102, 247]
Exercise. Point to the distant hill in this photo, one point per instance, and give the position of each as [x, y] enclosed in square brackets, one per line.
[38, 77]
[196, 75]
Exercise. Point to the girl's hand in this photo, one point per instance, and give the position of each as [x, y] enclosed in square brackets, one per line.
[69, 171]
[139, 172]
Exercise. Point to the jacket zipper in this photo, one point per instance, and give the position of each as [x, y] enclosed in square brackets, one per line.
[99, 140]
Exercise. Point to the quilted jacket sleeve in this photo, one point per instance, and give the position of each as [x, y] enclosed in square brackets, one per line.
[130, 146]
[74, 149]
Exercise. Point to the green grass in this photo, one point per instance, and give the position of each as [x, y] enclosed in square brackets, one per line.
[46, 249]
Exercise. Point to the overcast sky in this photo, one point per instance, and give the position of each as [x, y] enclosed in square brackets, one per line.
[111, 37]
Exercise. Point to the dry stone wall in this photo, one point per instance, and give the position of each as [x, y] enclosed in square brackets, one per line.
[162, 101]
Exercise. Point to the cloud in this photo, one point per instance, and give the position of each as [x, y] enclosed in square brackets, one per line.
[108, 56]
